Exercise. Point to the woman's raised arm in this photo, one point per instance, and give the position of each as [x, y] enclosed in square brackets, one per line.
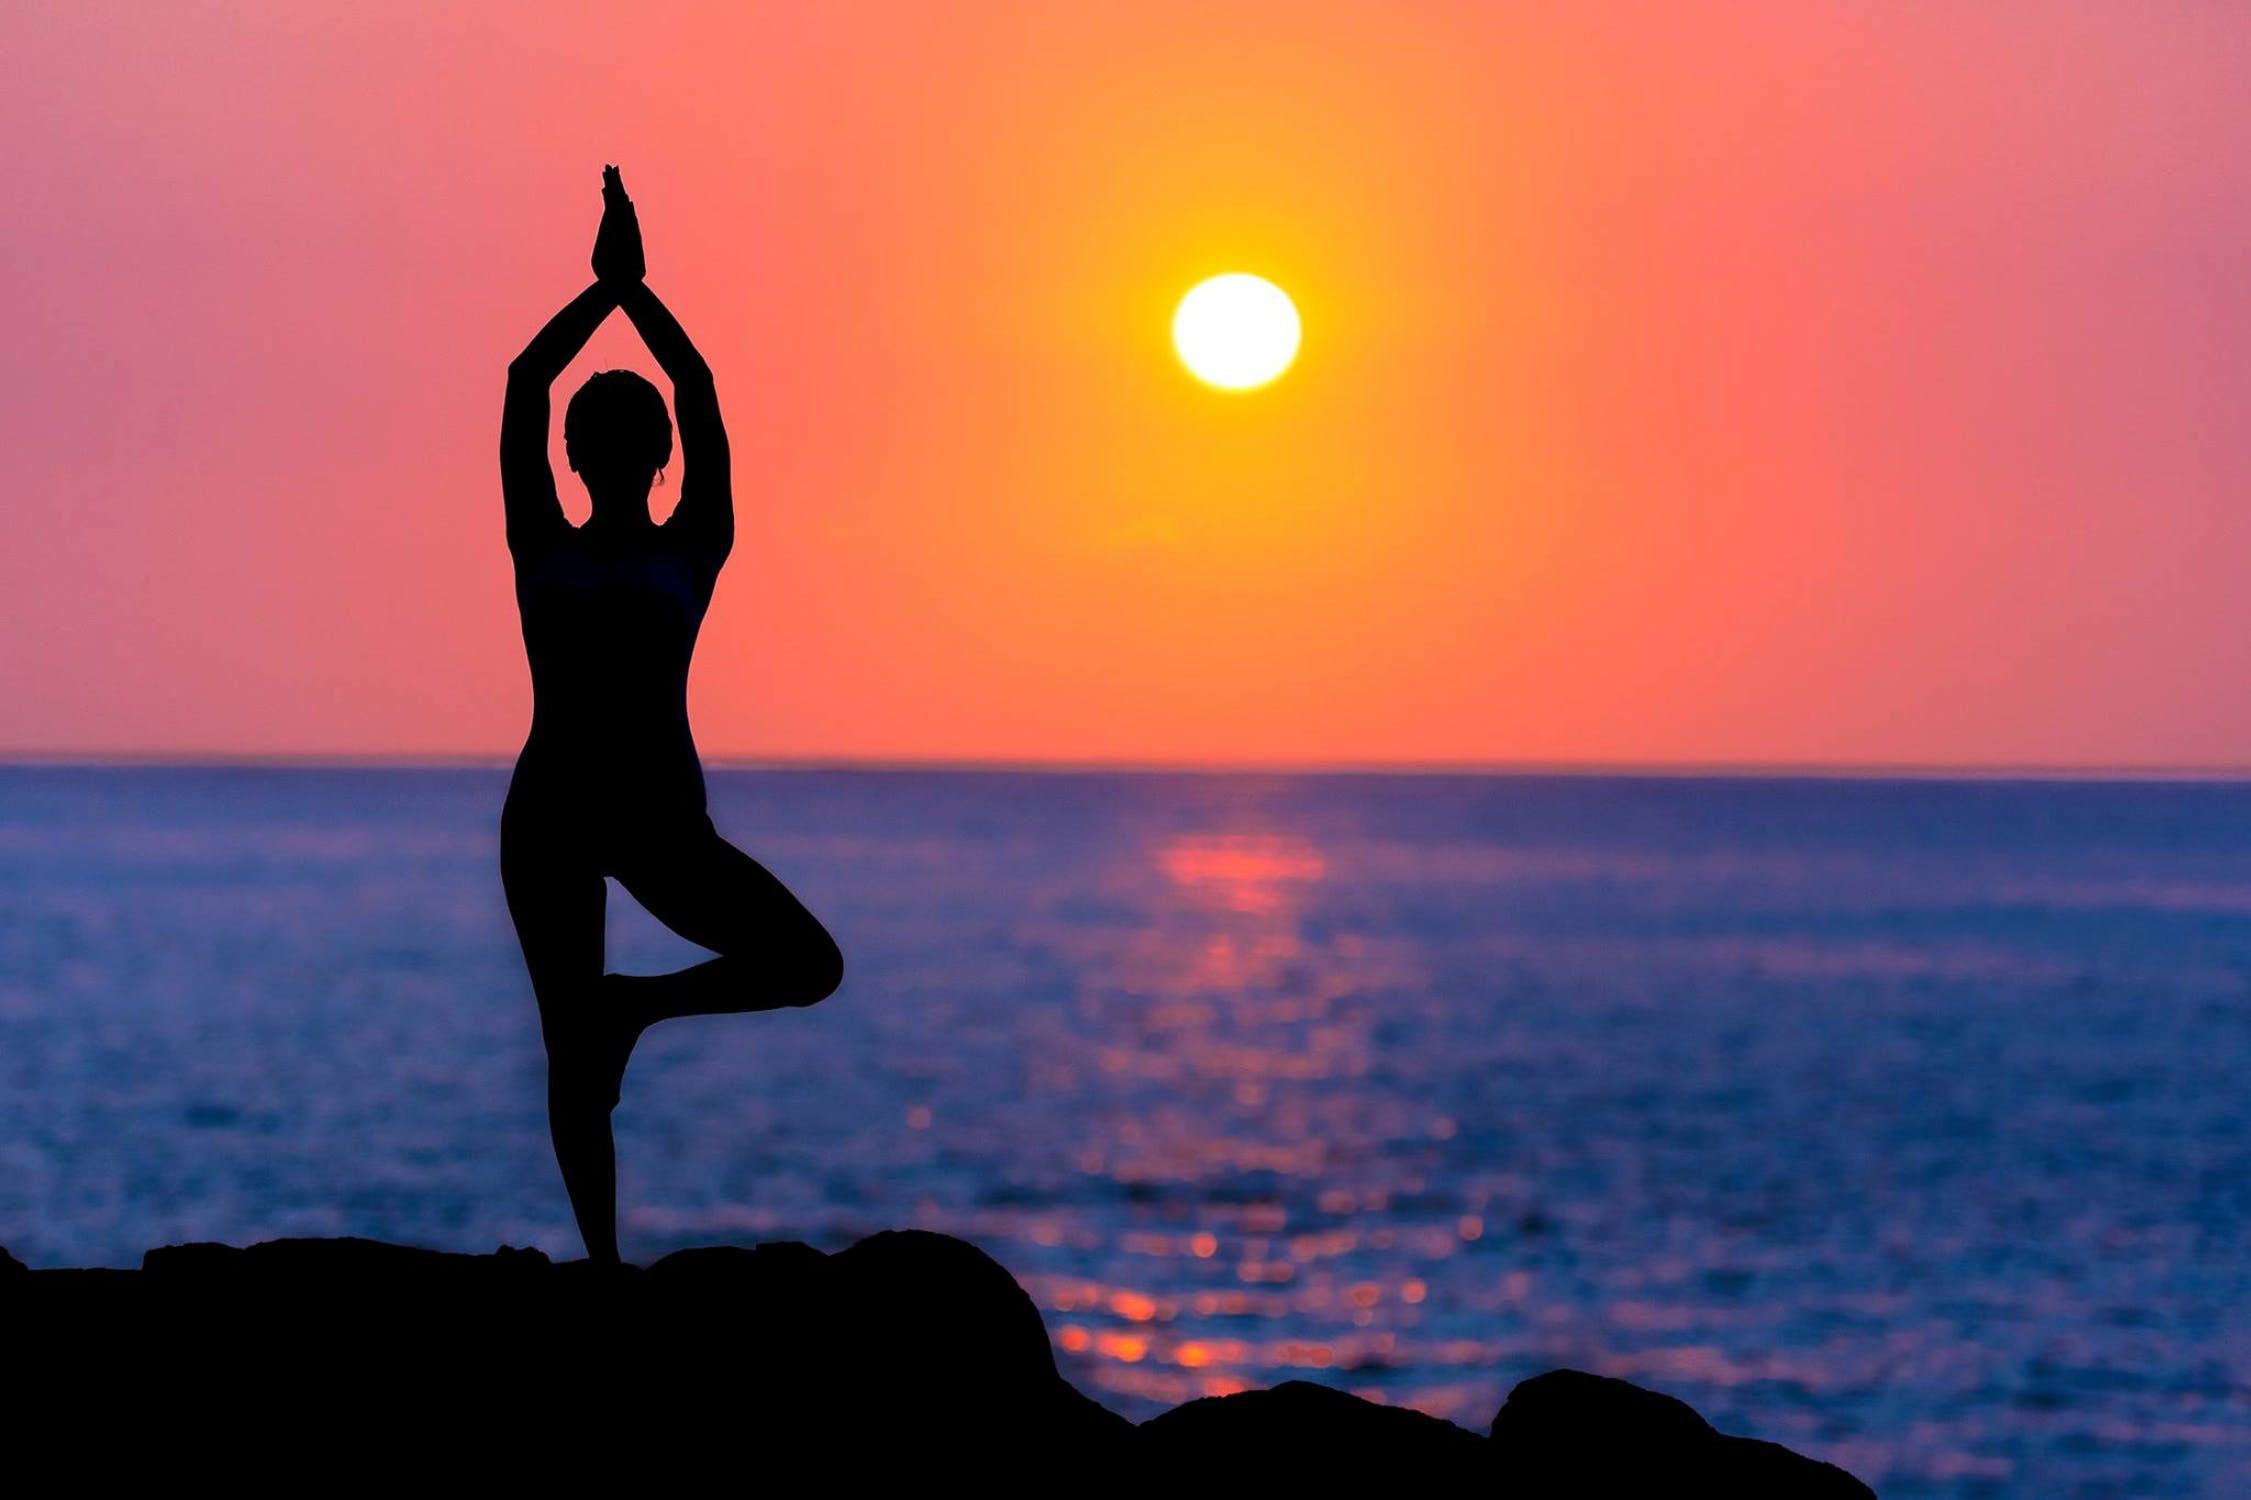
[527, 481]
[707, 487]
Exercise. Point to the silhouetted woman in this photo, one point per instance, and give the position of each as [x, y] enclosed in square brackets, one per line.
[608, 782]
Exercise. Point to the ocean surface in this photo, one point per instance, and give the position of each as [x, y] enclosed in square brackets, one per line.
[1903, 1122]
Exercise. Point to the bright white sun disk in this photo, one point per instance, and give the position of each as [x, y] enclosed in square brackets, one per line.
[1236, 331]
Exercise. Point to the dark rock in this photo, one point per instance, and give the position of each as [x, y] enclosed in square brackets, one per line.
[908, 1356]
[737, 1300]
[718, 1267]
[955, 1344]
[10, 1266]
[1572, 1409]
[923, 1294]
[908, 1350]
[199, 1258]
[1299, 1433]
[1568, 1433]
[1752, 1467]
[334, 1263]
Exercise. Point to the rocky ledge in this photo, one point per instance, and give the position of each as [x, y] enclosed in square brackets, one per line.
[909, 1357]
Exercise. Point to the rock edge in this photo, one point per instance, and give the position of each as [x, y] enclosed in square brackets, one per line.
[909, 1353]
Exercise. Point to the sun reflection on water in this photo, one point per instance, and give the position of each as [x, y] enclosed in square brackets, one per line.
[1275, 1199]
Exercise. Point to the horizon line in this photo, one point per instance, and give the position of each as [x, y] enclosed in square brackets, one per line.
[969, 765]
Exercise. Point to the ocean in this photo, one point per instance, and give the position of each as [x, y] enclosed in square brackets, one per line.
[1900, 1121]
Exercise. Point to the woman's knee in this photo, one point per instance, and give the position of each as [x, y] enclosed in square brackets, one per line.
[820, 969]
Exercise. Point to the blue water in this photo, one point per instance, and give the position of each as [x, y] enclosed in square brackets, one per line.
[1902, 1122]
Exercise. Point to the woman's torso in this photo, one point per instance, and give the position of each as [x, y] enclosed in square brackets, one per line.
[610, 624]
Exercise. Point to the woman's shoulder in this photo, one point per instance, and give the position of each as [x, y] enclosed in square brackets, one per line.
[693, 536]
[561, 554]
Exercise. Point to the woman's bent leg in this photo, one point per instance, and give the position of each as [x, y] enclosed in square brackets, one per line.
[773, 953]
[557, 904]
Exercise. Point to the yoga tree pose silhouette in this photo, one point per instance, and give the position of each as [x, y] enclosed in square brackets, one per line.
[609, 783]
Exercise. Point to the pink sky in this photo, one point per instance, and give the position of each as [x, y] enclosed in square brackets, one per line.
[1789, 383]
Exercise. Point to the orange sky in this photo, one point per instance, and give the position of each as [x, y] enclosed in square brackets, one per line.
[1780, 383]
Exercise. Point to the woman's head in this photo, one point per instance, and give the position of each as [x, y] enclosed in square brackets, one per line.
[616, 430]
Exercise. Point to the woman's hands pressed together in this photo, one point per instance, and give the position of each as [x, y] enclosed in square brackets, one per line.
[618, 261]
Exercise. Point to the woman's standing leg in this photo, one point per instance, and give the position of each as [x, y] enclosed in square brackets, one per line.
[773, 953]
[557, 904]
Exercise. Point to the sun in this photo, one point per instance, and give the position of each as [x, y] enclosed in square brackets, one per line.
[1236, 331]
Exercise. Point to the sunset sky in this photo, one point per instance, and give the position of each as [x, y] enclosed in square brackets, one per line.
[1753, 383]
